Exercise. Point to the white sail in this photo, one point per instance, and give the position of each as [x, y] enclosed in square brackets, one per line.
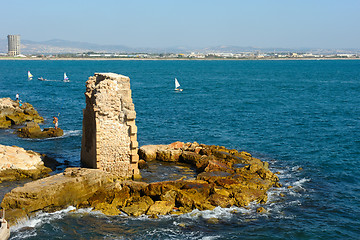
[176, 84]
[65, 77]
[30, 75]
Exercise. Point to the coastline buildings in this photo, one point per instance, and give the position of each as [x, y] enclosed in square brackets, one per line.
[64, 49]
[13, 45]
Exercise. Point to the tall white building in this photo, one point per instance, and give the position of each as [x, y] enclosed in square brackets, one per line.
[13, 45]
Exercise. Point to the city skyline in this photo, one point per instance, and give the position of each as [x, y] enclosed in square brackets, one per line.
[164, 24]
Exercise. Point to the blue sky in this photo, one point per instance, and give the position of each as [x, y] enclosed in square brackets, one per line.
[188, 23]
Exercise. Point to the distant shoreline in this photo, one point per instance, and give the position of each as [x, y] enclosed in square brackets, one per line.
[169, 59]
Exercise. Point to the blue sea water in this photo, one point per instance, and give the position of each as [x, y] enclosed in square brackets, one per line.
[293, 114]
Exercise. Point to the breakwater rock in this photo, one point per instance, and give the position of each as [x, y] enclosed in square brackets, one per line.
[225, 178]
[17, 163]
[33, 130]
[12, 114]
[72, 187]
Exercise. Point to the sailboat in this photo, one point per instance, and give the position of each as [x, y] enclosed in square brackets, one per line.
[66, 79]
[30, 75]
[177, 86]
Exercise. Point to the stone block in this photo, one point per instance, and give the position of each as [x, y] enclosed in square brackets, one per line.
[134, 151]
[133, 130]
[134, 158]
[130, 115]
[133, 137]
[134, 144]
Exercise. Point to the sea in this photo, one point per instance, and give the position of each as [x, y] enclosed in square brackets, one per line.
[301, 116]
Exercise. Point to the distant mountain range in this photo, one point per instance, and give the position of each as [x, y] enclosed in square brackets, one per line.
[56, 46]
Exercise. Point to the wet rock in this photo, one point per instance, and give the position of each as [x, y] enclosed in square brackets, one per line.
[161, 208]
[4, 122]
[136, 188]
[190, 157]
[221, 200]
[12, 114]
[33, 130]
[169, 196]
[168, 155]
[157, 189]
[185, 199]
[261, 210]
[200, 186]
[214, 165]
[142, 164]
[241, 199]
[221, 191]
[138, 206]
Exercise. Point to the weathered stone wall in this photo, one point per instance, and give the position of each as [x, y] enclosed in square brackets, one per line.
[109, 140]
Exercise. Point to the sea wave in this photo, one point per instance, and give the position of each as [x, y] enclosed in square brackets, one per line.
[41, 218]
[218, 212]
[72, 133]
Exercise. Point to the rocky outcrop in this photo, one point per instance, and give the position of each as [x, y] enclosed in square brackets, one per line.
[17, 163]
[225, 178]
[72, 187]
[109, 131]
[33, 130]
[12, 114]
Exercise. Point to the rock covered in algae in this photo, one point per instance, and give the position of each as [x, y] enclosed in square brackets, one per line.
[11, 113]
[33, 130]
[225, 178]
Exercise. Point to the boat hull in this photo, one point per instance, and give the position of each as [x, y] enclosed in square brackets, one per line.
[4, 230]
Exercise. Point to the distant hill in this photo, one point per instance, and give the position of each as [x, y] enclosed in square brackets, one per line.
[63, 46]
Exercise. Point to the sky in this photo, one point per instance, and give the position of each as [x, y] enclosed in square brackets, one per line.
[187, 23]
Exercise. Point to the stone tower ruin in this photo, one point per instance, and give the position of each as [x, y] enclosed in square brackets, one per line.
[109, 140]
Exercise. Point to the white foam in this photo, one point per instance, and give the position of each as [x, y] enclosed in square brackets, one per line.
[72, 133]
[27, 234]
[210, 237]
[301, 181]
[285, 175]
[280, 199]
[85, 210]
[295, 168]
[41, 218]
[218, 212]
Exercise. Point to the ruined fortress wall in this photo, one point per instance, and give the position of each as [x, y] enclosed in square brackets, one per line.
[109, 140]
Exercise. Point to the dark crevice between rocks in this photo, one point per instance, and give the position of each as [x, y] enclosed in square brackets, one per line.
[50, 162]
